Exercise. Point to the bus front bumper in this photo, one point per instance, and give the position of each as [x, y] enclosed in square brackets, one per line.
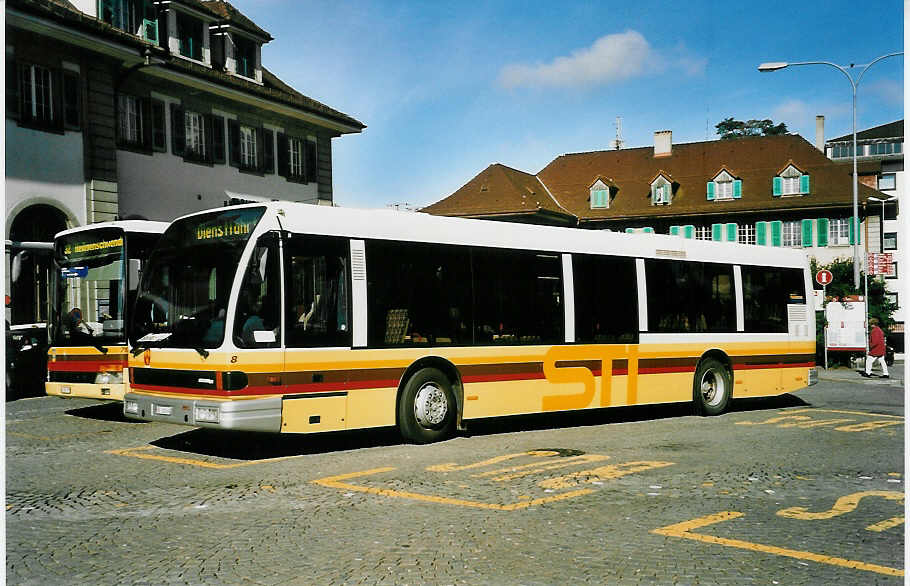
[112, 391]
[246, 415]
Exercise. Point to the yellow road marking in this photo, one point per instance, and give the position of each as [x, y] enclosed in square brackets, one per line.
[886, 524]
[452, 467]
[139, 452]
[514, 472]
[603, 473]
[843, 505]
[337, 482]
[684, 530]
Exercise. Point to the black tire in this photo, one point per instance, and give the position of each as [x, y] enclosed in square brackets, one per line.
[712, 387]
[426, 408]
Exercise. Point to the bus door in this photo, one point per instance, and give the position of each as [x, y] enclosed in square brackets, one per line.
[258, 318]
[317, 324]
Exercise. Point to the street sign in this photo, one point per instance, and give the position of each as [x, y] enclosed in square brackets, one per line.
[824, 277]
[880, 263]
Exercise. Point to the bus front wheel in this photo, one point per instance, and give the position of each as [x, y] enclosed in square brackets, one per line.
[426, 408]
[712, 387]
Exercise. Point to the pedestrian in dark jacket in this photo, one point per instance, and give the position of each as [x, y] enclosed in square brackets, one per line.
[876, 349]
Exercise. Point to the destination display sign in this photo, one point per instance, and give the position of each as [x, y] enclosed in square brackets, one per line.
[221, 227]
[75, 247]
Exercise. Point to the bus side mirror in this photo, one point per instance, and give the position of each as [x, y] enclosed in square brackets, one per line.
[133, 273]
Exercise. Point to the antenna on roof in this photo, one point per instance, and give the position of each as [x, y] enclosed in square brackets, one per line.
[618, 143]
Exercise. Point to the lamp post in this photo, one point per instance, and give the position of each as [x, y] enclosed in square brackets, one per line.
[774, 66]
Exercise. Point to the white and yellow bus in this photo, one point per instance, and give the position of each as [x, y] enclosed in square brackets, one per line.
[294, 318]
[97, 276]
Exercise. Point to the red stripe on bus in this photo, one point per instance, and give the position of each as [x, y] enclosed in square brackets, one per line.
[94, 366]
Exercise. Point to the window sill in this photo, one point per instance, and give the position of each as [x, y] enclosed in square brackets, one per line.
[251, 171]
[296, 179]
[52, 128]
[134, 148]
[191, 60]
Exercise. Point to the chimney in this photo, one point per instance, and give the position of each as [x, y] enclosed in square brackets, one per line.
[663, 143]
[820, 133]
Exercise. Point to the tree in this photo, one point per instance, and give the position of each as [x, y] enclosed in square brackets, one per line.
[730, 128]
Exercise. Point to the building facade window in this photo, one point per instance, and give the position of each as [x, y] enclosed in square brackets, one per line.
[839, 232]
[191, 36]
[37, 94]
[661, 192]
[194, 125]
[791, 181]
[792, 233]
[296, 157]
[887, 182]
[885, 148]
[599, 195]
[703, 233]
[248, 153]
[244, 56]
[746, 234]
[129, 110]
[890, 241]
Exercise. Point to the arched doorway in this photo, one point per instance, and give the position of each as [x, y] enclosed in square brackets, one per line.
[30, 270]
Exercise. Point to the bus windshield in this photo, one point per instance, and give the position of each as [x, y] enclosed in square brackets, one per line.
[90, 292]
[183, 297]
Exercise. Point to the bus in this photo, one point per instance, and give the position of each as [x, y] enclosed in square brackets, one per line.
[97, 275]
[295, 318]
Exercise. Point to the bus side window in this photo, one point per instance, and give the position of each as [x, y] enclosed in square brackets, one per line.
[317, 292]
[257, 324]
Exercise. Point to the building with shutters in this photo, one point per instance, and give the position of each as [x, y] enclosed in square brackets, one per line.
[121, 108]
[763, 191]
[881, 150]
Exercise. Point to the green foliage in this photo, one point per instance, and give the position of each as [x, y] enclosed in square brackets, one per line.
[730, 128]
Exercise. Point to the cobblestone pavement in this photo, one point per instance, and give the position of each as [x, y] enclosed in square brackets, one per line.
[800, 489]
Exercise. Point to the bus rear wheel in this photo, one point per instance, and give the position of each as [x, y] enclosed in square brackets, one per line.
[712, 388]
[426, 408]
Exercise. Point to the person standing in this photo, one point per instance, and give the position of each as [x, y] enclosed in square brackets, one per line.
[876, 349]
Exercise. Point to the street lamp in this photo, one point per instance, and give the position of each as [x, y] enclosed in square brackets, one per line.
[776, 65]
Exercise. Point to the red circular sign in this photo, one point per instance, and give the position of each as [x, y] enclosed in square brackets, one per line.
[824, 277]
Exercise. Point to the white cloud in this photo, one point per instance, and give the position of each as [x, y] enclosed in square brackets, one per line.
[611, 58]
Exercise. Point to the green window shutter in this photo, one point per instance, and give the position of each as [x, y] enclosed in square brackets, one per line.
[648, 230]
[732, 230]
[807, 233]
[737, 188]
[717, 232]
[674, 230]
[853, 230]
[822, 231]
[804, 184]
[710, 191]
[777, 186]
[150, 30]
[689, 231]
[761, 233]
[630, 230]
[777, 232]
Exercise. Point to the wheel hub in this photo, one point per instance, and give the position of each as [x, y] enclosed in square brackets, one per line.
[430, 405]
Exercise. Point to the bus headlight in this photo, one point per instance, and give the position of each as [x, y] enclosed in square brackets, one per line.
[207, 414]
[131, 407]
[109, 378]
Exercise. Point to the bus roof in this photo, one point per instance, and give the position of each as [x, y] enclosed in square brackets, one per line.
[386, 224]
[144, 226]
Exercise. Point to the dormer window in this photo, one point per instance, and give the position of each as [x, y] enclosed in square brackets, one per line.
[191, 36]
[661, 191]
[724, 187]
[600, 195]
[136, 17]
[244, 57]
[791, 181]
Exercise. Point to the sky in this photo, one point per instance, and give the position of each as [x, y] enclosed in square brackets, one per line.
[448, 88]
